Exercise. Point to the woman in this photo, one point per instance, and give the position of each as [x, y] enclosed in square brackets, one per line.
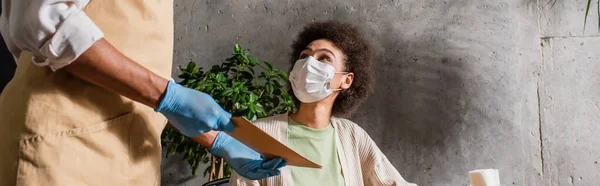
[331, 76]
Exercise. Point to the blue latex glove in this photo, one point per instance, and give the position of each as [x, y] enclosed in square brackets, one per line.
[245, 161]
[193, 112]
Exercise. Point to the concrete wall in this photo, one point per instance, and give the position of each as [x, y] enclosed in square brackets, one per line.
[460, 84]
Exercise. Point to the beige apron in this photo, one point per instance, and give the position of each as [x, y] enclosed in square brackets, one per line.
[56, 129]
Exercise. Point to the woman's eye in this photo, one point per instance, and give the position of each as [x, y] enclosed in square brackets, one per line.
[303, 56]
[324, 58]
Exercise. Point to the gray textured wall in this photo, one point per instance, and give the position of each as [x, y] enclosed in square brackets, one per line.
[460, 84]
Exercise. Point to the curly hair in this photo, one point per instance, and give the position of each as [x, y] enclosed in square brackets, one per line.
[358, 60]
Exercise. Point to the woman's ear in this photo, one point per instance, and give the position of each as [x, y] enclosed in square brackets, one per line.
[347, 82]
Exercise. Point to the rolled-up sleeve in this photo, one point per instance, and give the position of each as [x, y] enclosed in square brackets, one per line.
[56, 32]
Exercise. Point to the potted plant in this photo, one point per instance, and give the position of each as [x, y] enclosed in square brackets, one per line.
[241, 85]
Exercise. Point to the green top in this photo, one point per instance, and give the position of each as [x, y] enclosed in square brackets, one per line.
[319, 146]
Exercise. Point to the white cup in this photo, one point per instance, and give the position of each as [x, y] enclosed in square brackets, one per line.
[484, 177]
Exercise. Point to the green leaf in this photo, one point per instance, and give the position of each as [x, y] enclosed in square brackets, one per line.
[190, 152]
[247, 75]
[259, 108]
[195, 71]
[252, 98]
[275, 101]
[208, 84]
[587, 10]
[227, 172]
[215, 68]
[253, 61]
[263, 75]
[277, 83]
[220, 78]
[250, 116]
[198, 86]
[237, 48]
[252, 71]
[205, 158]
[194, 167]
[277, 92]
[172, 150]
[282, 75]
[190, 66]
[228, 92]
[269, 66]
[231, 59]
[269, 88]
[240, 86]
[243, 107]
[184, 75]
[236, 98]
[244, 100]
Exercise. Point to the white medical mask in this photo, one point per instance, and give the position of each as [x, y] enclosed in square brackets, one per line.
[311, 79]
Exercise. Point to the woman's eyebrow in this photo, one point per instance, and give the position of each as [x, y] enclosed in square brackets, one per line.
[322, 49]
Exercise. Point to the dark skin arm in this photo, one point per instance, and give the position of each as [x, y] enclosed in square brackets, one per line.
[103, 65]
[206, 139]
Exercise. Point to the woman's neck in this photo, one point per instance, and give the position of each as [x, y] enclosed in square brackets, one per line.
[313, 115]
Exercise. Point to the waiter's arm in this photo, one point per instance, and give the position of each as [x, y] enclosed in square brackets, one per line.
[103, 65]
[206, 139]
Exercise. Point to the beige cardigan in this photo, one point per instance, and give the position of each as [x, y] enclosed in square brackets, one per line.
[361, 160]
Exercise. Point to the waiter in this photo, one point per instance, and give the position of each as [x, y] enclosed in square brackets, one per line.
[90, 96]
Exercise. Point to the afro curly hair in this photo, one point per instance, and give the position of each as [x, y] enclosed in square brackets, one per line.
[358, 60]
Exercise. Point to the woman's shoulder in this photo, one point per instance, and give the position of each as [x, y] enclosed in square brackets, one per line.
[353, 135]
[348, 126]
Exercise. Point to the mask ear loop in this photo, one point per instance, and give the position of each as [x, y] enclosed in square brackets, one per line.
[338, 89]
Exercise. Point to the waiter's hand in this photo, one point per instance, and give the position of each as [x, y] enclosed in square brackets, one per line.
[193, 112]
[243, 160]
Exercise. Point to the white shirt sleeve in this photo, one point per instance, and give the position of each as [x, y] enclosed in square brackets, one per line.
[56, 32]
